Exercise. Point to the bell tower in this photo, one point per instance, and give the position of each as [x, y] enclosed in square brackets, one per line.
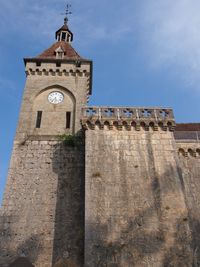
[42, 216]
[58, 85]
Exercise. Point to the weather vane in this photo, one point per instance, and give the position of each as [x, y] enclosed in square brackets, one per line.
[67, 12]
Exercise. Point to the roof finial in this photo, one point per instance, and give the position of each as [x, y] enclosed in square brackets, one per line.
[67, 12]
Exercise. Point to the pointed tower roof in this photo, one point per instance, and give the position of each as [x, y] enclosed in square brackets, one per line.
[62, 48]
[68, 51]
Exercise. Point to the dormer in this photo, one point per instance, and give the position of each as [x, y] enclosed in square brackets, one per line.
[59, 53]
[64, 34]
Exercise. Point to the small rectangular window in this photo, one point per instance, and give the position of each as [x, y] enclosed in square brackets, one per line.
[63, 36]
[39, 119]
[68, 120]
[78, 63]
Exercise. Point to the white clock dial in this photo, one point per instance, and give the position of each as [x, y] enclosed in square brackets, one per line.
[55, 97]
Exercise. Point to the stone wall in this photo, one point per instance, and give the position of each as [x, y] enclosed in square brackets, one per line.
[135, 212]
[42, 216]
[189, 155]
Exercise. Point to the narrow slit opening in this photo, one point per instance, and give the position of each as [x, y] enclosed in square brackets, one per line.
[39, 119]
[68, 120]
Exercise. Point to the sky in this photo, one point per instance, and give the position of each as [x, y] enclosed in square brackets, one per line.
[145, 53]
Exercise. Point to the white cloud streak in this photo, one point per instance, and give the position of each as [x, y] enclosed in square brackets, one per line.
[172, 37]
[168, 31]
[40, 18]
[9, 87]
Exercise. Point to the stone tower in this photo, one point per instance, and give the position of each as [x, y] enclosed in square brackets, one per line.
[44, 196]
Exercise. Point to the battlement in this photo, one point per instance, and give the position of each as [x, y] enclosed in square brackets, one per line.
[128, 118]
[58, 68]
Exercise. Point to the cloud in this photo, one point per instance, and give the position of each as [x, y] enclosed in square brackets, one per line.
[30, 18]
[168, 31]
[8, 86]
[90, 20]
[171, 36]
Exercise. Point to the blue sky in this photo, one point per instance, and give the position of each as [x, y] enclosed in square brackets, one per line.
[145, 53]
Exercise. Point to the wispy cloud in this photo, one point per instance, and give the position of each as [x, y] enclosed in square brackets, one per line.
[91, 20]
[171, 37]
[168, 31]
[29, 18]
[8, 86]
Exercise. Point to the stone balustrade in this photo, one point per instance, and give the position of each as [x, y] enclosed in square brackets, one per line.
[128, 117]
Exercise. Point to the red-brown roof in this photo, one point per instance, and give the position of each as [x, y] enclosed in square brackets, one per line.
[188, 127]
[187, 131]
[64, 27]
[69, 51]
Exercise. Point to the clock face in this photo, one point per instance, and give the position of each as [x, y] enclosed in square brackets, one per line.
[55, 97]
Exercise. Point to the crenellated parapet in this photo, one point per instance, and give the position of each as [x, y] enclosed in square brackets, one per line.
[189, 150]
[56, 70]
[128, 118]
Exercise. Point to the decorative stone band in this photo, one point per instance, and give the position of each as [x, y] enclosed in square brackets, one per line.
[128, 118]
[57, 72]
[189, 152]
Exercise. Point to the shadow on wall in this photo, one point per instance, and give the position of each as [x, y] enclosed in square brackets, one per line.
[136, 245]
[137, 250]
[190, 168]
[26, 253]
[21, 262]
[69, 164]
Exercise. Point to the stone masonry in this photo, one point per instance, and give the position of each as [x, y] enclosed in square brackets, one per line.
[135, 213]
[43, 207]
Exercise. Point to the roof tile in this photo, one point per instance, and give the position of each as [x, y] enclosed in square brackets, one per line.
[69, 51]
[188, 127]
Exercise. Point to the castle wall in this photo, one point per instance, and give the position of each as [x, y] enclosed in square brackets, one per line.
[189, 156]
[42, 216]
[135, 212]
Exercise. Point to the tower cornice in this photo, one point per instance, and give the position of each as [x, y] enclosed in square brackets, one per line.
[52, 60]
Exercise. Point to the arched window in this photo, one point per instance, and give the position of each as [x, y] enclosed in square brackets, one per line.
[63, 36]
[190, 152]
[68, 38]
[181, 152]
